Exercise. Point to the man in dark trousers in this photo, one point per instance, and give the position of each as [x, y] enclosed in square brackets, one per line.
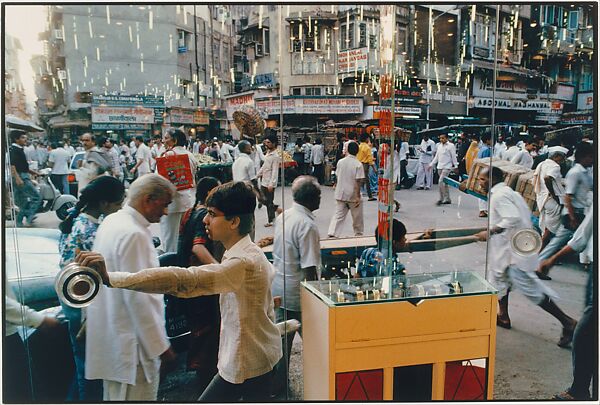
[25, 194]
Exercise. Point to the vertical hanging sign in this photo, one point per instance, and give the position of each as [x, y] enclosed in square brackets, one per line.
[386, 130]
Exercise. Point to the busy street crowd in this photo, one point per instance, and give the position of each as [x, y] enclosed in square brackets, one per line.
[237, 302]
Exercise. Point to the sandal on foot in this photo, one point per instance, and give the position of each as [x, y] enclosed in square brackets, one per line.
[567, 336]
[542, 276]
[503, 323]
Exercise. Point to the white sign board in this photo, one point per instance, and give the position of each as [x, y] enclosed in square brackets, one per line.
[325, 105]
[542, 106]
[353, 60]
[135, 115]
[585, 101]
[398, 109]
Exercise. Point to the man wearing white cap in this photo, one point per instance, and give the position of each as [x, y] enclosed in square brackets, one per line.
[547, 183]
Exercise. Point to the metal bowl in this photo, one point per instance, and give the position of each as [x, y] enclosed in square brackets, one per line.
[77, 286]
[526, 242]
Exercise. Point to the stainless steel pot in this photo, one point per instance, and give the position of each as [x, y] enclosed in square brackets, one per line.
[77, 286]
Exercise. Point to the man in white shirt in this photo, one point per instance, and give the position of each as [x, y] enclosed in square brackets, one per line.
[511, 149]
[58, 160]
[578, 184]
[268, 174]
[523, 157]
[499, 147]
[157, 151]
[403, 158]
[317, 158]
[142, 157]
[109, 148]
[424, 170]
[196, 146]
[307, 149]
[69, 148]
[250, 343]
[296, 257]
[126, 339]
[350, 177]
[226, 151]
[510, 271]
[243, 168]
[547, 184]
[445, 159]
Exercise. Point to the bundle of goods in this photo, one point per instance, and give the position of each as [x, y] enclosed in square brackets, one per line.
[285, 156]
[204, 159]
[248, 121]
[511, 172]
[525, 188]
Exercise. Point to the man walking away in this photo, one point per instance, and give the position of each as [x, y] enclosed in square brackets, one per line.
[26, 195]
[58, 160]
[318, 160]
[350, 177]
[365, 157]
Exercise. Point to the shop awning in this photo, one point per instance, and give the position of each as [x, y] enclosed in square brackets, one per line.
[18, 123]
[503, 68]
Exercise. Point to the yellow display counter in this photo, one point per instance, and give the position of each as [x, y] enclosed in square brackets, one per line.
[401, 338]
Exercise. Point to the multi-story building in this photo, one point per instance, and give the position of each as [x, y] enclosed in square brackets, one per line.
[179, 55]
[14, 94]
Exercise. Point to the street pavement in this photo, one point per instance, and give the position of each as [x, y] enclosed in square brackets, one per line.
[529, 364]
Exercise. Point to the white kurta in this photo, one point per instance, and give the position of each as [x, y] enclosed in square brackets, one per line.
[125, 328]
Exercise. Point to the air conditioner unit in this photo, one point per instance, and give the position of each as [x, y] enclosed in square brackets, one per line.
[258, 49]
[58, 34]
[62, 75]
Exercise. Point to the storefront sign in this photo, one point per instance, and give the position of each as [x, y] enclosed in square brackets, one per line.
[585, 101]
[514, 89]
[530, 105]
[265, 79]
[353, 60]
[131, 115]
[131, 127]
[409, 95]
[578, 118]
[398, 109]
[184, 116]
[157, 103]
[311, 105]
[234, 103]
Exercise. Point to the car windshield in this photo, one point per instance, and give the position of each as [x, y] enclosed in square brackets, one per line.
[75, 161]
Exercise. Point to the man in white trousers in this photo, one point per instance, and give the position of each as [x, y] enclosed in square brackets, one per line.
[424, 171]
[350, 176]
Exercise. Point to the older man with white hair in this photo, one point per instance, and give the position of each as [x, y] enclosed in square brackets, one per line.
[547, 183]
[126, 339]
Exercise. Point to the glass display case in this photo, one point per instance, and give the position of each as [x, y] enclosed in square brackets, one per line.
[413, 287]
[402, 338]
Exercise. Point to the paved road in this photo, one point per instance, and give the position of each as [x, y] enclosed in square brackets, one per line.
[529, 364]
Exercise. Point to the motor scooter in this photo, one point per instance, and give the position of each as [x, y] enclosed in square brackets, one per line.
[52, 199]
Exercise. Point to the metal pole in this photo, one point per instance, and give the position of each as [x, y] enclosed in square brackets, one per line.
[429, 35]
[493, 127]
[196, 58]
